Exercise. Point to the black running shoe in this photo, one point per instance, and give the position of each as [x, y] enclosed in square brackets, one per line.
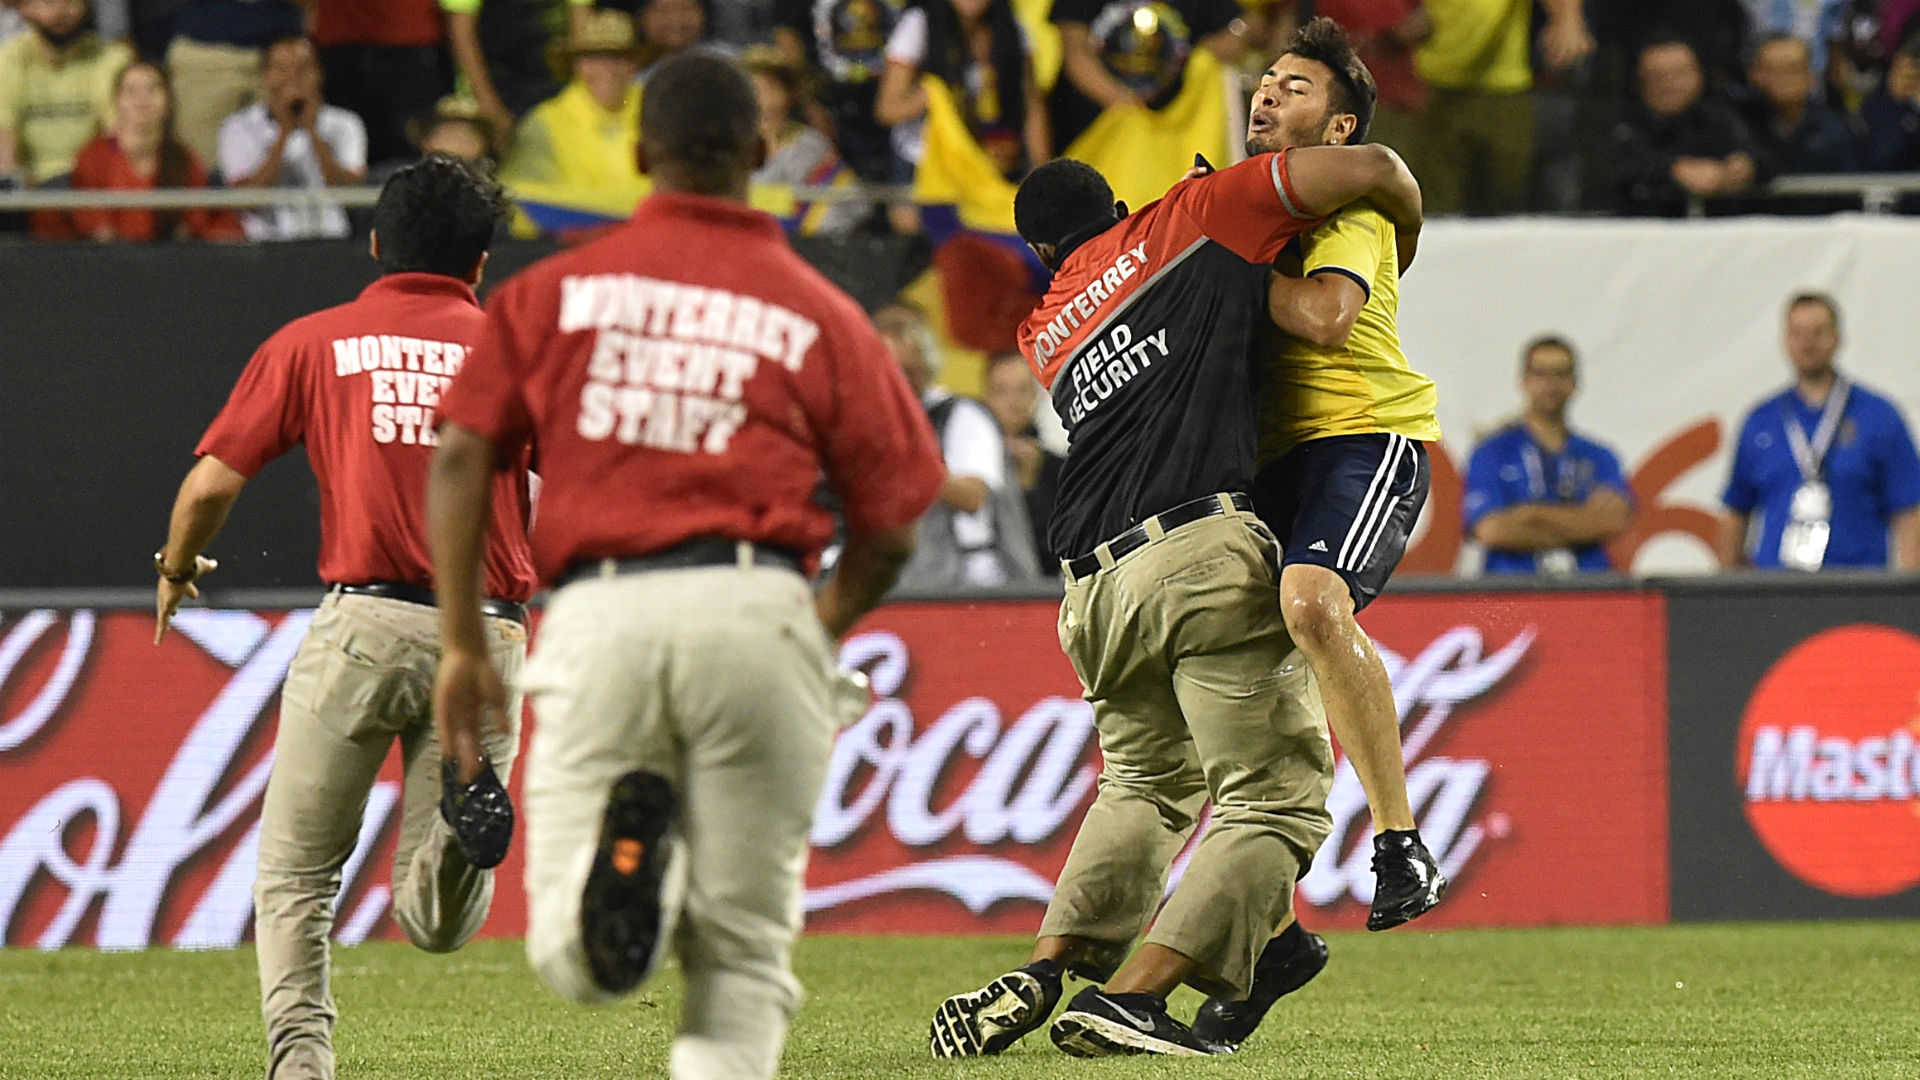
[998, 1014]
[1407, 883]
[630, 894]
[1288, 963]
[479, 813]
[1099, 1024]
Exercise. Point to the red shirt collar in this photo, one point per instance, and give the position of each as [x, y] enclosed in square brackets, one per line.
[420, 284]
[669, 205]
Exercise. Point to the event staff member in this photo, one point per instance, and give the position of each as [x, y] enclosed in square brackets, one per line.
[1172, 617]
[357, 384]
[1540, 498]
[685, 681]
[1829, 466]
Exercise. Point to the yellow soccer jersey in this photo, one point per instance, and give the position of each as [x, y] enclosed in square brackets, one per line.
[1362, 387]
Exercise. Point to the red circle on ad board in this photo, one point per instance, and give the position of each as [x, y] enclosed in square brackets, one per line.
[1829, 761]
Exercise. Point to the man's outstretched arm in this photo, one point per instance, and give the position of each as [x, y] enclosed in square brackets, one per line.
[206, 495]
[1326, 178]
[459, 500]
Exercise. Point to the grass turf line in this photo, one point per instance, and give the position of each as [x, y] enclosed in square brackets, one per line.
[1759, 1000]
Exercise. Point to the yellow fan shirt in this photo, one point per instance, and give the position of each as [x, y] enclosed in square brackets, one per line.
[1365, 386]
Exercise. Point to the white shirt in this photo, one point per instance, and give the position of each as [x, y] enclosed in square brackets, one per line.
[971, 446]
[245, 139]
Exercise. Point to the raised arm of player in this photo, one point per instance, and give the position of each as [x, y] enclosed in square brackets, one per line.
[200, 508]
[467, 690]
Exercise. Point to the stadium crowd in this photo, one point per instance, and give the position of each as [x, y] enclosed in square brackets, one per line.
[1622, 106]
[1626, 106]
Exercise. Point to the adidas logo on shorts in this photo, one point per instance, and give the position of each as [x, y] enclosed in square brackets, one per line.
[1317, 545]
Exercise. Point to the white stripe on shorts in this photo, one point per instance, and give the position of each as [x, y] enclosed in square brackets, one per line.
[1383, 511]
[1376, 488]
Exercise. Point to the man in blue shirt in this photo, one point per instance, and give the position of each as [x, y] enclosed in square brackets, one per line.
[1828, 466]
[1540, 498]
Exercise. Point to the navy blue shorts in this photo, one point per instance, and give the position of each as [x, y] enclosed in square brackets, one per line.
[1346, 502]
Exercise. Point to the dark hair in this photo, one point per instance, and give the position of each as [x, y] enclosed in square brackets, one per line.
[1059, 199]
[1549, 341]
[1665, 38]
[174, 168]
[1825, 300]
[699, 121]
[1775, 38]
[949, 57]
[437, 216]
[286, 41]
[1320, 39]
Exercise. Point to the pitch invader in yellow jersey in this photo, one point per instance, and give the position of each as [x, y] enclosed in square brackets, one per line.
[1343, 475]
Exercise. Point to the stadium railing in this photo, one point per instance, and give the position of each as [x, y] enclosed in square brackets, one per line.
[1876, 193]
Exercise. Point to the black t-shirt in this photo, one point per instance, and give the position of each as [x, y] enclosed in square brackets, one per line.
[1145, 340]
[1144, 56]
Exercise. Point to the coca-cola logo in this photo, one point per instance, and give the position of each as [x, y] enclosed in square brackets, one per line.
[1827, 762]
[128, 859]
[1033, 778]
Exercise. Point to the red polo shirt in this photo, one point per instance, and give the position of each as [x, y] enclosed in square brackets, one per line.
[359, 384]
[688, 375]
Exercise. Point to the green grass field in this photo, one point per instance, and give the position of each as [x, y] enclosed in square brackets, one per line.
[1828, 1001]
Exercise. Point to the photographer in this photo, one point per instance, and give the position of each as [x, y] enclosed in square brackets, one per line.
[292, 138]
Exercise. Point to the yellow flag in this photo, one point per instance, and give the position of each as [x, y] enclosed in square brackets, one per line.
[956, 171]
[1143, 152]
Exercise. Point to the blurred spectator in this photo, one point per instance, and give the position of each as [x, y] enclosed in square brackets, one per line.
[455, 127]
[1892, 116]
[1542, 499]
[215, 59]
[500, 49]
[1013, 396]
[980, 51]
[384, 62]
[1678, 142]
[1131, 52]
[1793, 130]
[796, 153]
[1816, 23]
[1828, 465]
[1474, 151]
[668, 28]
[1386, 32]
[143, 153]
[585, 136]
[1717, 29]
[976, 533]
[293, 139]
[846, 41]
[56, 90]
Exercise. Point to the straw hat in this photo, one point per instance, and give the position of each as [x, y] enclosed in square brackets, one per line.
[605, 33]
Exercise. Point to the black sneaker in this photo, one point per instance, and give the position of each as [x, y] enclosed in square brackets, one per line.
[998, 1014]
[1286, 964]
[632, 887]
[1099, 1024]
[1406, 881]
[480, 813]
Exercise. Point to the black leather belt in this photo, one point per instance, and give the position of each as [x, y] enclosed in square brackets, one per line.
[1168, 520]
[706, 551]
[420, 594]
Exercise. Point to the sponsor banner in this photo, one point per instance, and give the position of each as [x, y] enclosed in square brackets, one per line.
[1795, 764]
[131, 775]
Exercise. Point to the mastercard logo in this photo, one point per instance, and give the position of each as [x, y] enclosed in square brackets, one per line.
[1829, 761]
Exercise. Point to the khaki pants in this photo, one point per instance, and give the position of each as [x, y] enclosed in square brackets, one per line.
[1474, 152]
[1197, 693]
[210, 83]
[362, 678]
[722, 680]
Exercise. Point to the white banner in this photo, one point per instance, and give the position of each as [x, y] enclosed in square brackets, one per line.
[1678, 325]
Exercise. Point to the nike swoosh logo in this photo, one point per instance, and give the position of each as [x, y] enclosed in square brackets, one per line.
[1144, 1023]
